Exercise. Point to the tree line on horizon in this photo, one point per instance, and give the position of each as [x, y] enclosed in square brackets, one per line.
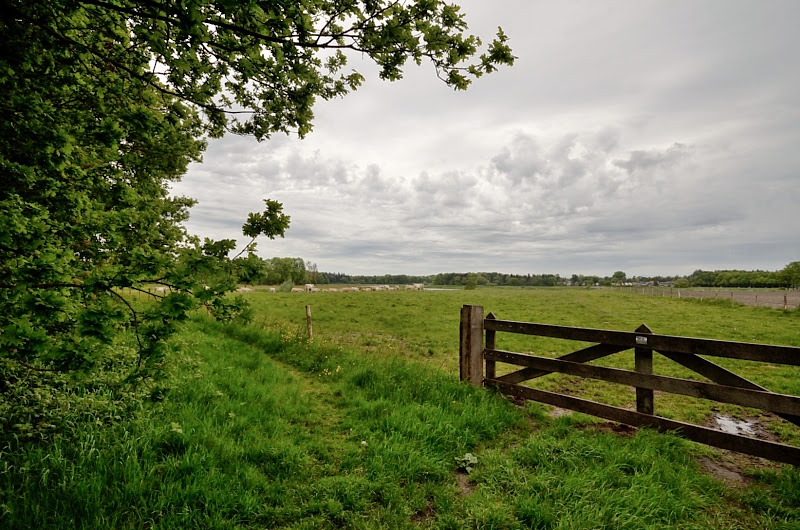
[275, 271]
[787, 277]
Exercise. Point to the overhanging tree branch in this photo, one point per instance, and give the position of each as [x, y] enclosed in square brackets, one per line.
[108, 101]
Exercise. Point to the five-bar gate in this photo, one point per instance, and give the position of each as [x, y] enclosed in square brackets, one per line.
[726, 386]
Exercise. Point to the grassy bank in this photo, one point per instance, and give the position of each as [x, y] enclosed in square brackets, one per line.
[263, 430]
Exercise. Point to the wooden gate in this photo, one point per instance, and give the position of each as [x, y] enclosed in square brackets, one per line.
[726, 386]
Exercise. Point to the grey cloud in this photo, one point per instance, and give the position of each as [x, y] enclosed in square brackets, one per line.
[520, 161]
[234, 146]
[375, 185]
[570, 174]
[441, 194]
[315, 171]
[606, 140]
[642, 161]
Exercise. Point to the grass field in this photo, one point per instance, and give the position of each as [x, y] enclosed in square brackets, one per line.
[776, 299]
[368, 427]
[425, 326]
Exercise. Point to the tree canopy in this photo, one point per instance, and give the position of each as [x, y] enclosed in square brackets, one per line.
[258, 67]
[790, 274]
[105, 103]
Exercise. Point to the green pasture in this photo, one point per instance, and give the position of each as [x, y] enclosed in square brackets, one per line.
[425, 326]
[368, 427]
[425, 323]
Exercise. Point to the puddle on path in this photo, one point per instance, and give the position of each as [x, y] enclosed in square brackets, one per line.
[734, 426]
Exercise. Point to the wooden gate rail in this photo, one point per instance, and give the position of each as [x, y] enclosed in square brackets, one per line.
[627, 340]
[727, 387]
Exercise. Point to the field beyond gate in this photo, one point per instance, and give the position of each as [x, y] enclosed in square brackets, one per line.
[726, 386]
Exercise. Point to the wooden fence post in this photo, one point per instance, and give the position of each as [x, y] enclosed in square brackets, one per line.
[491, 344]
[471, 344]
[643, 361]
[308, 322]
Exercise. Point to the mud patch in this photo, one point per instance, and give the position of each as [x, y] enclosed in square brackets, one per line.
[735, 469]
[752, 427]
[557, 412]
[467, 489]
[611, 427]
[732, 467]
[727, 472]
[426, 514]
[733, 426]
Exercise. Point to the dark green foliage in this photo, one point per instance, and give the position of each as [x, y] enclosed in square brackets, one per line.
[790, 275]
[251, 269]
[38, 405]
[787, 277]
[402, 279]
[272, 271]
[496, 278]
[88, 147]
[271, 223]
[739, 278]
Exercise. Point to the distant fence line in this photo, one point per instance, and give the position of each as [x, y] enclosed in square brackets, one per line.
[786, 300]
[478, 357]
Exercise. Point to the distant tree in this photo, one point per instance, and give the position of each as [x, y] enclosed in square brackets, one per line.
[550, 280]
[280, 270]
[682, 283]
[478, 277]
[701, 278]
[251, 269]
[790, 274]
[618, 278]
[311, 272]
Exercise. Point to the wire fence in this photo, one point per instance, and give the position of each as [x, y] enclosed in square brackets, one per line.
[786, 300]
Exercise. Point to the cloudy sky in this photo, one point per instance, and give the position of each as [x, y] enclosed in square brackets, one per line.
[653, 137]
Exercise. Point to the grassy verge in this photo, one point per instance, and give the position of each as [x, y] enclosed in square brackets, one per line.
[264, 431]
[325, 440]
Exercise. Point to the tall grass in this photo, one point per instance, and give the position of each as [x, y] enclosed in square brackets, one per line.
[244, 440]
